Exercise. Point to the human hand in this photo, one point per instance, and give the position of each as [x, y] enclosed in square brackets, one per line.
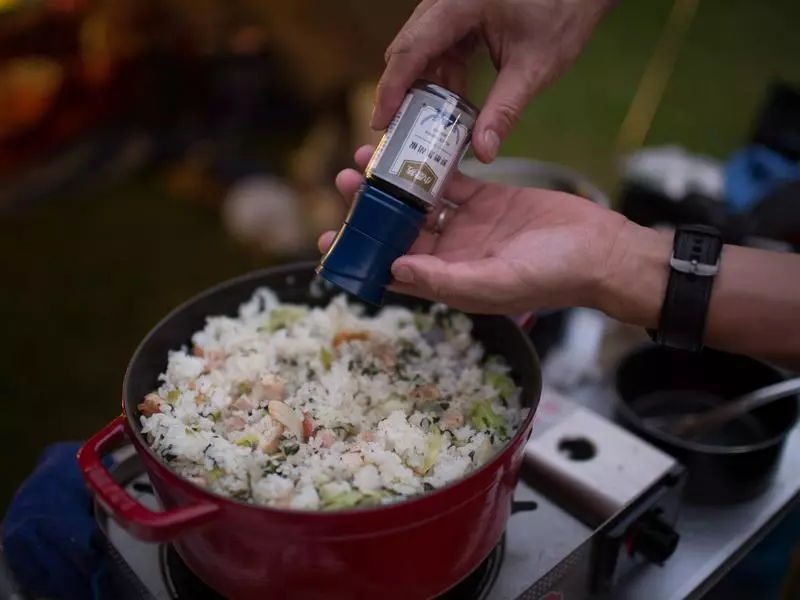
[506, 250]
[531, 43]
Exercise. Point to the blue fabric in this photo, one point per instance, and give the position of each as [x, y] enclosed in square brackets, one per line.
[50, 536]
[753, 173]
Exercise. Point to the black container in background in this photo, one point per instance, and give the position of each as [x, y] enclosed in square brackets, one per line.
[548, 331]
[717, 474]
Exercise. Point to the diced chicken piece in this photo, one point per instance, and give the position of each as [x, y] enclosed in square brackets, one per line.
[243, 403]
[349, 336]
[197, 480]
[200, 399]
[270, 441]
[214, 359]
[367, 436]
[425, 394]
[386, 355]
[192, 385]
[198, 351]
[326, 437]
[150, 406]
[352, 461]
[308, 425]
[235, 423]
[284, 502]
[453, 419]
[270, 387]
[283, 413]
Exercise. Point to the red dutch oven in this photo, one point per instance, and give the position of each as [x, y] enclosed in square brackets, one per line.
[418, 548]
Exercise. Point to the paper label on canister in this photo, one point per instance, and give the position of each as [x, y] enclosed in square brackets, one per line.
[431, 149]
[376, 156]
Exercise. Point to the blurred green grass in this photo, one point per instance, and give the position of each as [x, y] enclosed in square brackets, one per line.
[733, 51]
[84, 278]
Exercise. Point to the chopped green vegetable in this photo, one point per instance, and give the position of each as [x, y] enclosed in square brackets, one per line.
[249, 439]
[494, 363]
[502, 383]
[215, 474]
[346, 500]
[172, 396]
[215, 416]
[344, 431]
[424, 322]
[484, 452]
[333, 501]
[433, 450]
[290, 446]
[326, 356]
[270, 467]
[244, 388]
[395, 402]
[283, 318]
[482, 418]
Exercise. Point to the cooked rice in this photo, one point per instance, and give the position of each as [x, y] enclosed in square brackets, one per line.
[328, 408]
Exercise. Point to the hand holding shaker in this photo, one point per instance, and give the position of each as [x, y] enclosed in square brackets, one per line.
[404, 182]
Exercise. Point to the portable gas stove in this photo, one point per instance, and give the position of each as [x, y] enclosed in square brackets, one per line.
[594, 505]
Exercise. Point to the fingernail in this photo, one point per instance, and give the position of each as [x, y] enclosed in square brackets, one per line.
[403, 274]
[492, 142]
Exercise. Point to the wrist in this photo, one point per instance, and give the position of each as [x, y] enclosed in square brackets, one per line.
[632, 287]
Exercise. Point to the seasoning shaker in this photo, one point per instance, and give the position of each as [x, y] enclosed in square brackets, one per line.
[404, 182]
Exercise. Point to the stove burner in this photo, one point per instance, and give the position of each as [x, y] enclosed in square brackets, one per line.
[477, 584]
[183, 584]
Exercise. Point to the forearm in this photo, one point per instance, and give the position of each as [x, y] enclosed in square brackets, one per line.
[755, 303]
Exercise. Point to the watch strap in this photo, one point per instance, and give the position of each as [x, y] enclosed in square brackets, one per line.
[694, 265]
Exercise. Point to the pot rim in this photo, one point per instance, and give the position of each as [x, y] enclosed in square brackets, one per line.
[287, 270]
[625, 410]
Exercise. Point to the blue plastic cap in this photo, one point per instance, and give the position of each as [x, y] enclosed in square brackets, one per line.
[378, 230]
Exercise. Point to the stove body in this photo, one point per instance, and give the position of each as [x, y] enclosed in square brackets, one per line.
[594, 505]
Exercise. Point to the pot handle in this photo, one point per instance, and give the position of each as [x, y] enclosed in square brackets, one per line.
[526, 321]
[145, 524]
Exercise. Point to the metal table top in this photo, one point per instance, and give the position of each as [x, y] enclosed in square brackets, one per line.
[713, 539]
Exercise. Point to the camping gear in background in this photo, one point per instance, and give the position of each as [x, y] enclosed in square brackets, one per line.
[752, 198]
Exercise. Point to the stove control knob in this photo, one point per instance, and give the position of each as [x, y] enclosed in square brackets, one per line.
[654, 539]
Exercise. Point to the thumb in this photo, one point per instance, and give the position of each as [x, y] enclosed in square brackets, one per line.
[511, 93]
[470, 286]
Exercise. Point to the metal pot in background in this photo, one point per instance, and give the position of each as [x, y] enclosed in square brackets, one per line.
[737, 462]
[550, 324]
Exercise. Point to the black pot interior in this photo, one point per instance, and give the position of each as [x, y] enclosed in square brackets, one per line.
[293, 283]
[658, 369]
[721, 474]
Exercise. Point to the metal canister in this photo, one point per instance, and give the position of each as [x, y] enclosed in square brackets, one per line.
[424, 144]
[404, 182]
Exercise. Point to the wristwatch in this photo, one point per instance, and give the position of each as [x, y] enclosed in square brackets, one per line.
[694, 265]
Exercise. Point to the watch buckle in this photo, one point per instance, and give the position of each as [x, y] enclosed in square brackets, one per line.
[693, 267]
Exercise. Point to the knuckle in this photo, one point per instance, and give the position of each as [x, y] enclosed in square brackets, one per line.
[404, 43]
[507, 113]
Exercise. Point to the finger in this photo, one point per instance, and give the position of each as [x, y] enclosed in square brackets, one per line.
[512, 91]
[460, 188]
[348, 182]
[454, 65]
[325, 240]
[363, 155]
[418, 43]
